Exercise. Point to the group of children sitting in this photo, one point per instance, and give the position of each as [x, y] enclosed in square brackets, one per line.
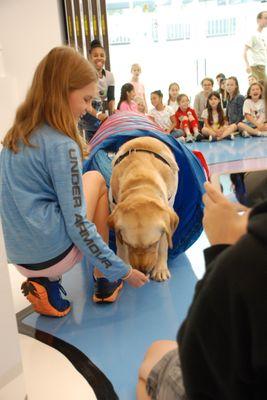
[216, 115]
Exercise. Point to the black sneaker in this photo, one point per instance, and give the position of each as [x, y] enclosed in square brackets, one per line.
[106, 291]
[199, 137]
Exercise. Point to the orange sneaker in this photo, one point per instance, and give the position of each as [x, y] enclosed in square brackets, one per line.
[45, 296]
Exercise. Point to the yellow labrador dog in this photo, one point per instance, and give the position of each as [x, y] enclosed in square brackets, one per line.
[143, 186]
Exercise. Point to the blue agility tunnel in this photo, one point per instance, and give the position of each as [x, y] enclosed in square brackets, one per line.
[124, 126]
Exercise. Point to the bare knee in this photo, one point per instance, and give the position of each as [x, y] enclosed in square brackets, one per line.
[154, 354]
[94, 179]
[95, 176]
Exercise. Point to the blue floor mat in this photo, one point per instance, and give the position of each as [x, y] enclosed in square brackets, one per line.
[116, 336]
[232, 150]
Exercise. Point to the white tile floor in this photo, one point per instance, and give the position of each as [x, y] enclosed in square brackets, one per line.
[49, 375]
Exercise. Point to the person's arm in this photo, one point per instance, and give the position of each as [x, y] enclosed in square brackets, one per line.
[222, 221]
[97, 114]
[226, 123]
[196, 105]
[111, 99]
[110, 92]
[223, 227]
[173, 121]
[245, 55]
[65, 170]
[194, 114]
[239, 109]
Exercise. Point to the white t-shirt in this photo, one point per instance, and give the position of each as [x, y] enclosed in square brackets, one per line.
[256, 110]
[257, 54]
[174, 105]
[103, 85]
[162, 118]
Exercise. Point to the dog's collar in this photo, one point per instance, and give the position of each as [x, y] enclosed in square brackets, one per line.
[159, 157]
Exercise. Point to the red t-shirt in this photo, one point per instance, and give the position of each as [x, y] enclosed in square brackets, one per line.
[179, 113]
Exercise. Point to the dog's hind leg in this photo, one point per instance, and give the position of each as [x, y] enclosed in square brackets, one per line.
[161, 272]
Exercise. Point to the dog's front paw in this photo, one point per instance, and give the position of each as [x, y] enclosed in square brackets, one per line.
[160, 274]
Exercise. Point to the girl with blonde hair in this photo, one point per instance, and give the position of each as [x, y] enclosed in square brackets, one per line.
[48, 209]
[138, 86]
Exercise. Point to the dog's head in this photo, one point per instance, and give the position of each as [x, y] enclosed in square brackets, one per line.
[140, 225]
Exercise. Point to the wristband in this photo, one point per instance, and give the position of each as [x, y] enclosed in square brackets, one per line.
[128, 274]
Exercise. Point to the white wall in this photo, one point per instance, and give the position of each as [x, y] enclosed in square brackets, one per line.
[28, 30]
[11, 374]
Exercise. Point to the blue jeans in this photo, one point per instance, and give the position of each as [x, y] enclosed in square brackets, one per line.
[176, 133]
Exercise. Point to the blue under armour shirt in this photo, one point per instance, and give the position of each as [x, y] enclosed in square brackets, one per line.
[43, 209]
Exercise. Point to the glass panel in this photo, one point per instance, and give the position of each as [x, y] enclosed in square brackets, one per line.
[179, 40]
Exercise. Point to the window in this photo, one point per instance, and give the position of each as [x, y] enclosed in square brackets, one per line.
[178, 31]
[221, 27]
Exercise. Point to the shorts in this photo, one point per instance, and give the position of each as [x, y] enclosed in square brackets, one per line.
[165, 381]
[250, 124]
[73, 257]
[176, 133]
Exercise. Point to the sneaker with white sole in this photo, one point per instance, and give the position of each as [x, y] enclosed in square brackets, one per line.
[230, 137]
[212, 138]
[189, 139]
[245, 134]
[198, 137]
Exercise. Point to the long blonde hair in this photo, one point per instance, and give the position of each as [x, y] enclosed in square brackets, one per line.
[61, 71]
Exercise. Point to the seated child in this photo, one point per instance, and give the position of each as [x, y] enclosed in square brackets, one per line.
[215, 124]
[138, 86]
[254, 112]
[127, 102]
[141, 107]
[174, 90]
[163, 115]
[234, 106]
[187, 120]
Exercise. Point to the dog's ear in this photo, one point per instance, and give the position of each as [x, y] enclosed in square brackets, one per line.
[170, 225]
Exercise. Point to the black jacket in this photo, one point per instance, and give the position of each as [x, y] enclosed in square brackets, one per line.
[223, 341]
